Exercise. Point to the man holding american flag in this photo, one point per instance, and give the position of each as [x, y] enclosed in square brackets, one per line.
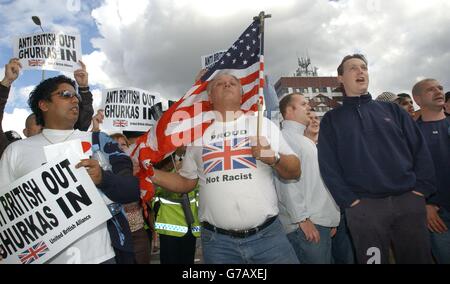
[238, 203]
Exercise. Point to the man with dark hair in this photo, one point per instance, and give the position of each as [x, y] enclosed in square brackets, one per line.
[405, 101]
[31, 125]
[12, 70]
[447, 104]
[312, 131]
[435, 126]
[12, 136]
[56, 105]
[375, 162]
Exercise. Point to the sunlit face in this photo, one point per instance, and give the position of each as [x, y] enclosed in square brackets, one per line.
[447, 106]
[355, 77]
[61, 110]
[123, 145]
[431, 96]
[225, 87]
[298, 110]
[407, 104]
[225, 91]
[314, 125]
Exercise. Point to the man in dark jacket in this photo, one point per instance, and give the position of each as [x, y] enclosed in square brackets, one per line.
[376, 165]
[12, 70]
[435, 126]
[447, 104]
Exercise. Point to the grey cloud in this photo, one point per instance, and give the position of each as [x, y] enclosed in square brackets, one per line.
[160, 50]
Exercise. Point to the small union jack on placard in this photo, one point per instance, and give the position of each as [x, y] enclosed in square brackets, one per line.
[33, 253]
[120, 123]
[36, 62]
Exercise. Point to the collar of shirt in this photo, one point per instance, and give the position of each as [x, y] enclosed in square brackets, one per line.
[294, 125]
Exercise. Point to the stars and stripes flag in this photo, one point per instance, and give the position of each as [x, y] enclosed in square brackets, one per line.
[186, 120]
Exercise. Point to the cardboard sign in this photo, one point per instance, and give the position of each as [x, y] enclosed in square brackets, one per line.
[130, 109]
[55, 51]
[211, 59]
[55, 151]
[45, 211]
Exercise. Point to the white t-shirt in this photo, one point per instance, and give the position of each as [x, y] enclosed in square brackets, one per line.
[23, 157]
[236, 190]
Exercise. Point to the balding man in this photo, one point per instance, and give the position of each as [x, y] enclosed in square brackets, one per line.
[435, 127]
[238, 202]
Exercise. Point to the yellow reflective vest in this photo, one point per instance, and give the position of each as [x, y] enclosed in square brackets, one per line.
[170, 219]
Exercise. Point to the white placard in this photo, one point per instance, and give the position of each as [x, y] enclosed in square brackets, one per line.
[56, 51]
[45, 211]
[55, 151]
[210, 59]
[129, 109]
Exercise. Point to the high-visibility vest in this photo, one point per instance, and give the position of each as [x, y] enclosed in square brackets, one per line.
[170, 219]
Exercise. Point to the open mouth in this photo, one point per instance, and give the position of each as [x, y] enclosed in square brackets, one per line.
[360, 80]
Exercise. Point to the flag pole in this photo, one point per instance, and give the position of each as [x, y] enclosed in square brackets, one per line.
[261, 17]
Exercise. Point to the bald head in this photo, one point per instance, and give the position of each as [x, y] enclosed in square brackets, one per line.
[31, 126]
[429, 95]
[418, 88]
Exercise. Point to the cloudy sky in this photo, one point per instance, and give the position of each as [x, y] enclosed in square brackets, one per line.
[157, 44]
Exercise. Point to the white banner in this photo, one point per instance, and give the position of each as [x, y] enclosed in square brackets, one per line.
[45, 211]
[211, 59]
[55, 51]
[129, 109]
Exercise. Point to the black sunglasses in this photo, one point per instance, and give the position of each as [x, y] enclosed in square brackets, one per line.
[68, 94]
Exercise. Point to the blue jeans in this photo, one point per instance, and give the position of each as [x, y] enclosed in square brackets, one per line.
[311, 252]
[440, 243]
[269, 246]
[341, 245]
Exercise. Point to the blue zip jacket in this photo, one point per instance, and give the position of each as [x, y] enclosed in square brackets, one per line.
[437, 135]
[371, 149]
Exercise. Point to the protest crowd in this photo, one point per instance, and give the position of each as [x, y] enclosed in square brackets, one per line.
[368, 183]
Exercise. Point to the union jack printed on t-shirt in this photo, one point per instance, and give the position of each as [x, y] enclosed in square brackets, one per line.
[227, 155]
[33, 253]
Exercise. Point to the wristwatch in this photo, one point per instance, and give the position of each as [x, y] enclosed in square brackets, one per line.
[277, 159]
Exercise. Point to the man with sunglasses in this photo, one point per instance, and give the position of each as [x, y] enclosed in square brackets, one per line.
[56, 105]
[12, 70]
[375, 163]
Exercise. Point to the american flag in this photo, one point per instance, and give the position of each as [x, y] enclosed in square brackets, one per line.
[34, 253]
[245, 60]
[227, 155]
